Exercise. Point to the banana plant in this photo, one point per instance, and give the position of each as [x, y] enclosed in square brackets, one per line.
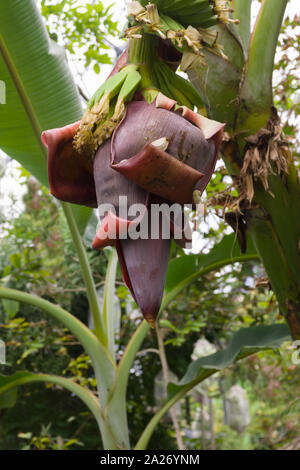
[41, 95]
[237, 88]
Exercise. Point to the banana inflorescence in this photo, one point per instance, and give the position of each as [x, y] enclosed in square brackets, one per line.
[183, 22]
[107, 107]
[140, 139]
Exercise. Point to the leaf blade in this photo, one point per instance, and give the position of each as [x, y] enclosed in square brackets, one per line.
[243, 343]
[267, 340]
[9, 385]
[184, 270]
[40, 91]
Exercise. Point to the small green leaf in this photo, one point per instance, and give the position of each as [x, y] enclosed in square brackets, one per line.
[8, 399]
[218, 83]
[15, 260]
[97, 68]
[11, 307]
[6, 270]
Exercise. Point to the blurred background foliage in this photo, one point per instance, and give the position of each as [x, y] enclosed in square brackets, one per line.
[81, 27]
[37, 256]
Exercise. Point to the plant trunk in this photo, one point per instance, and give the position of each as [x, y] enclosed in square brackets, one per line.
[273, 222]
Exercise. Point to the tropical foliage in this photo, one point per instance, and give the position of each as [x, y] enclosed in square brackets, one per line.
[240, 291]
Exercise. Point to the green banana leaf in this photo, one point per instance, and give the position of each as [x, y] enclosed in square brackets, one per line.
[10, 384]
[40, 91]
[244, 342]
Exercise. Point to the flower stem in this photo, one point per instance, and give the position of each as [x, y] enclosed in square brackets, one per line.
[142, 51]
[87, 275]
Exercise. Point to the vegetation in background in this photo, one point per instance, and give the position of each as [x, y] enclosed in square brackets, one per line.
[37, 256]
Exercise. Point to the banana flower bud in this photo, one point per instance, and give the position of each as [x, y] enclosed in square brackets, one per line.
[158, 154]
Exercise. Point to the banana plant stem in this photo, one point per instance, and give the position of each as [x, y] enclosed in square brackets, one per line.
[87, 275]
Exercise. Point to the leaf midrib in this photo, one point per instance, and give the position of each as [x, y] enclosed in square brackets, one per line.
[22, 94]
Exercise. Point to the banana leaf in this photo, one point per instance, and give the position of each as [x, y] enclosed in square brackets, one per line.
[40, 92]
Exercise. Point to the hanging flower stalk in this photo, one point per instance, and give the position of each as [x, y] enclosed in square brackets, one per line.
[139, 145]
